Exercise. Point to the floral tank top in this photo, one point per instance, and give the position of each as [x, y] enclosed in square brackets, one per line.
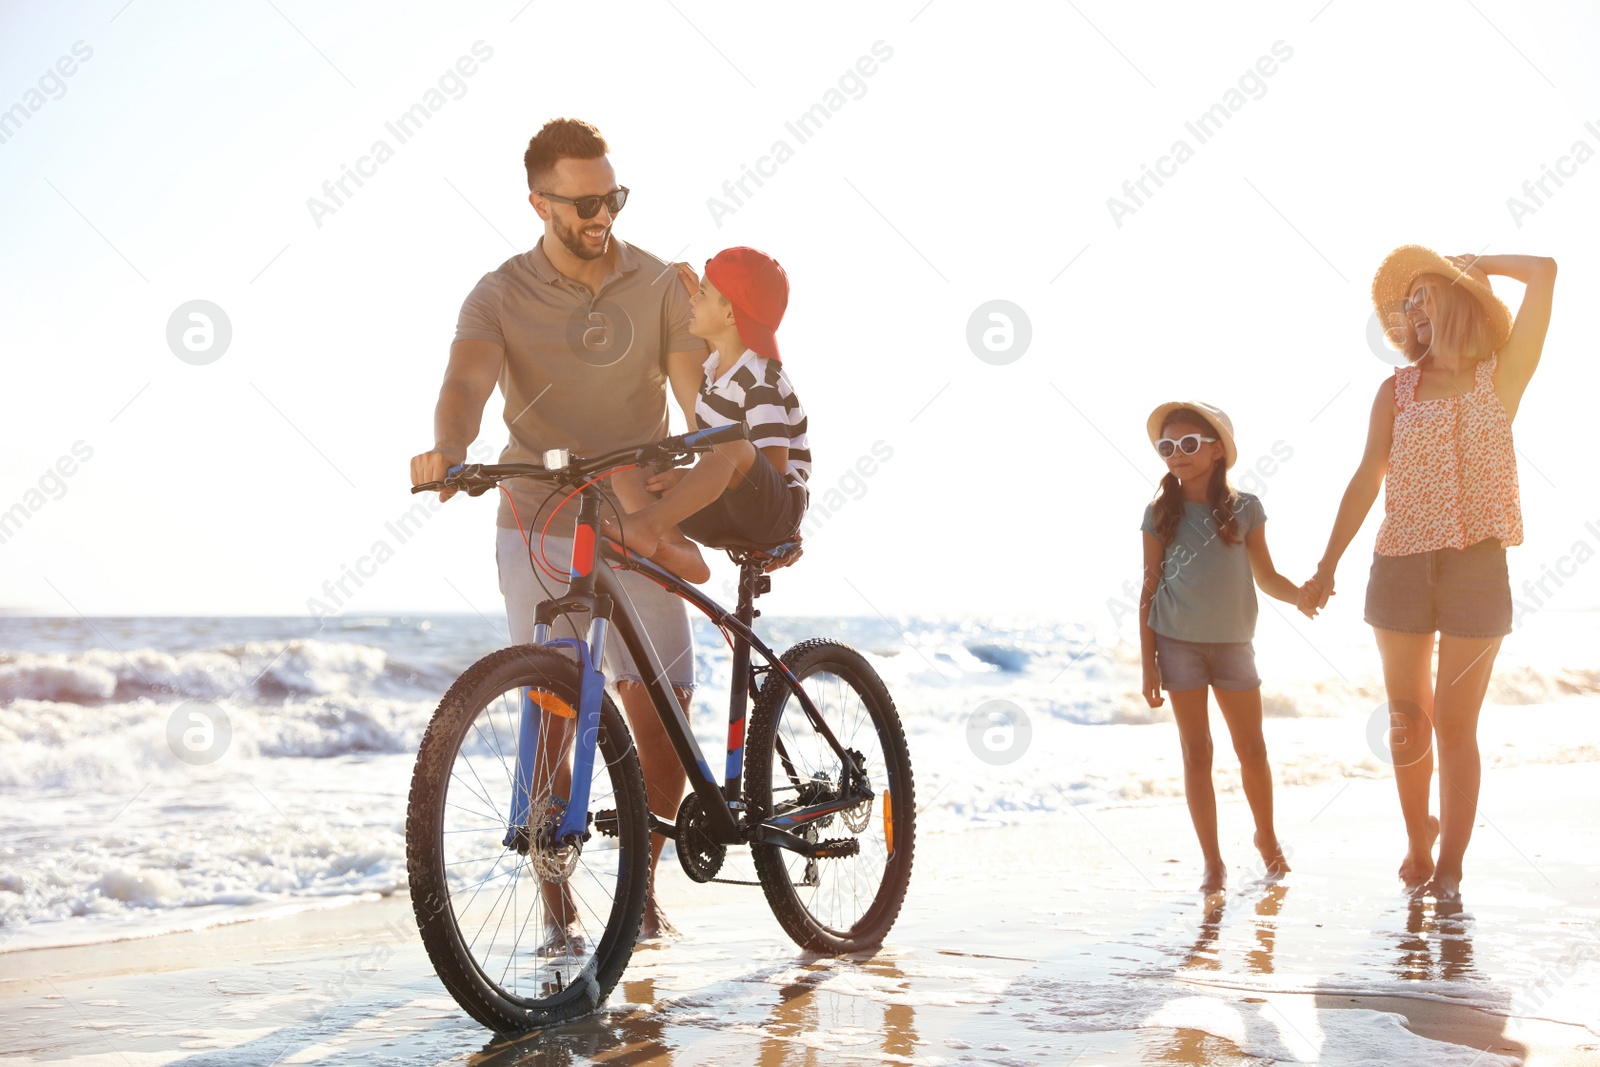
[1452, 479]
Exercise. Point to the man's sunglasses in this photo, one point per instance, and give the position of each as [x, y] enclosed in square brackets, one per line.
[589, 206]
[1188, 444]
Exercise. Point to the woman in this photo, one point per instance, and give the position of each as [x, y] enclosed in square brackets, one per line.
[1440, 431]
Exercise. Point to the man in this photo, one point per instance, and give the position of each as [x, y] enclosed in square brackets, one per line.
[580, 333]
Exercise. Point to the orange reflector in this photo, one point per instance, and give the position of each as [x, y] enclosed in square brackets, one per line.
[550, 702]
[888, 821]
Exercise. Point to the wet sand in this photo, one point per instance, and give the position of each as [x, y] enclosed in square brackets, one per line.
[1076, 940]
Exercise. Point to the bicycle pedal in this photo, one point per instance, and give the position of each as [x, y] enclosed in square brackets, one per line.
[606, 822]
[837, 849]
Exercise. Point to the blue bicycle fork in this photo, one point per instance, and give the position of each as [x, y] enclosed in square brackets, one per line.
[591, 693]
[575, 808]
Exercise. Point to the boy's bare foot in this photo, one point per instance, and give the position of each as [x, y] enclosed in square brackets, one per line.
[1214, 877]
[682, 558]
[636, 532]
[1272, 856]
[1417, 868]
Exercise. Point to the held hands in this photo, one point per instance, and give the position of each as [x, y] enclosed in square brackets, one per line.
[1314, 594]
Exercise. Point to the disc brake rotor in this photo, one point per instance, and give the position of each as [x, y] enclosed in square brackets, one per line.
[551, 862]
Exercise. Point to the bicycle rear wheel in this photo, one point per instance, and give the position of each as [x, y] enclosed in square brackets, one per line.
[524, 934]
[832, 904]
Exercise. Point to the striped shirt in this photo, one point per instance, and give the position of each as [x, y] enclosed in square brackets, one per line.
[757, 393]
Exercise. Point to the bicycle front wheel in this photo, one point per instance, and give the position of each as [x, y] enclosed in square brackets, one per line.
[522, 930]
[848, 902]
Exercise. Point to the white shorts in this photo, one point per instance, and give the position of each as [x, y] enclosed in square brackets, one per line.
[662, 617]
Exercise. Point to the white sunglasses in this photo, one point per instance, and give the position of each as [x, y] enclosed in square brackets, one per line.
[1188, 444]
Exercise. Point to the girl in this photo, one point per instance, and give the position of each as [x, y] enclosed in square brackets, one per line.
[1203, 542]
[1440, 433]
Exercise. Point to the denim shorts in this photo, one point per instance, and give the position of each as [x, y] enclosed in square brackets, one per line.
[1184, 665]
[663, 617]
[1459, 592]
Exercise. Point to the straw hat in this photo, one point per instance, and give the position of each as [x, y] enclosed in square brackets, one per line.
[1392, 284]
[1213, 414]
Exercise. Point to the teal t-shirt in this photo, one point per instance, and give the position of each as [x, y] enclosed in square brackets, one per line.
[1206, 592]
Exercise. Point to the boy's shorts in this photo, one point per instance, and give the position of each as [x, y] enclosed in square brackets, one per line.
[1458, 592]
[1226, 665]
[761, 508]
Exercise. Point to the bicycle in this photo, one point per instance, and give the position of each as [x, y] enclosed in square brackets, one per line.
[529, 857]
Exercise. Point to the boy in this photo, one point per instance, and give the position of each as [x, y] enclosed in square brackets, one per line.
[751, 491]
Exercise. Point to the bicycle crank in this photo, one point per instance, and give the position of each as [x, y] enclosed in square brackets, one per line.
[700, 856]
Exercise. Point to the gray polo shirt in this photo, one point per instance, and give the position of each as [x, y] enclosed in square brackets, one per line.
[1206, 591]
[584, 371]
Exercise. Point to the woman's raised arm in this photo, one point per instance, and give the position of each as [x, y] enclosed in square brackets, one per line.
[1519, 356]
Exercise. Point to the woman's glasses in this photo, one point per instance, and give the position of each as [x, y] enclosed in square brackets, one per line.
[589, 206]
[1188, 444]
[1415, 300]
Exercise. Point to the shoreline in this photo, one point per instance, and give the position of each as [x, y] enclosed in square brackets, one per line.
[1083, 936]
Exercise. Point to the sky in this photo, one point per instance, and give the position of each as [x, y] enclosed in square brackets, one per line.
[972, 154]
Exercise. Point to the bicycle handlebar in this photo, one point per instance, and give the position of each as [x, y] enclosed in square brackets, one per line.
[475, 479]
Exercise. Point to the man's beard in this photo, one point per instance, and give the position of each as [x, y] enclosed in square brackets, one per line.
[572, 241]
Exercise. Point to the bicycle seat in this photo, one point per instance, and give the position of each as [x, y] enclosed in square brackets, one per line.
[741, 551]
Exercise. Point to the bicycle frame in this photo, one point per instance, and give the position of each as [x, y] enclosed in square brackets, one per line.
[593, 589]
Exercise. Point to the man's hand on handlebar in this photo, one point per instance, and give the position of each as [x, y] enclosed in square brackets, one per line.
[431, 467]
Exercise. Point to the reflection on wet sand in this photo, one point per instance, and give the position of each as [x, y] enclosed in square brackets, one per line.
[803, 1010]
[1203, 954]
[632, 1037]
[1436, 944]
[805, 1025]
[1432, 946]
[1259, 959]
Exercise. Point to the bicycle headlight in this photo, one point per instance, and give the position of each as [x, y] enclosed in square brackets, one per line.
[556, 459]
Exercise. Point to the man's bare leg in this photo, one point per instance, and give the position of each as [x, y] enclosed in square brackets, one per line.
[664, 779]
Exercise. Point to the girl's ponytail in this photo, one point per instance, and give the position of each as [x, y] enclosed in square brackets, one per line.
[1168, 508]
[1223, 500]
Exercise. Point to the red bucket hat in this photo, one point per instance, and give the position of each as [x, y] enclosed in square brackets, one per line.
[758, 289]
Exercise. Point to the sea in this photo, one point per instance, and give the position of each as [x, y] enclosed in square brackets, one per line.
[119, 820]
